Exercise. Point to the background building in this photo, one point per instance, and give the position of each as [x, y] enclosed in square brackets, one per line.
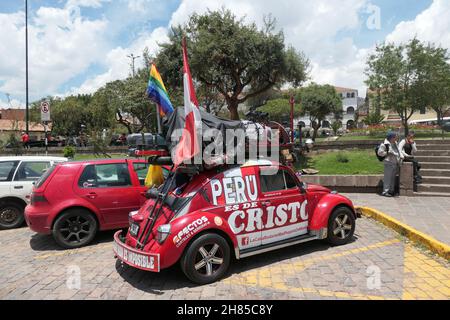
[13, 121]
[423, 116]
[351, 103]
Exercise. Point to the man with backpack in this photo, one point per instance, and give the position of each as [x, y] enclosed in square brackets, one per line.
[389, 153]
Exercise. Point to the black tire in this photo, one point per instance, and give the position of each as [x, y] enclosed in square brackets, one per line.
[195, 255]
[341, 226]
[74, 228]
[11, 215]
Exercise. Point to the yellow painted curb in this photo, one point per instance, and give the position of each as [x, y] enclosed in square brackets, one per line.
[412, 234]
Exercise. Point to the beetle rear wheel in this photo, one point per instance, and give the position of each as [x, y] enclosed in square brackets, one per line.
[341, 226]
[206, 259]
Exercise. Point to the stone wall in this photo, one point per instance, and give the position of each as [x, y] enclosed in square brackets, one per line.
[347, 183]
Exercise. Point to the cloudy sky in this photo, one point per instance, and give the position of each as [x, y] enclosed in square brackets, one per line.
[76, 46]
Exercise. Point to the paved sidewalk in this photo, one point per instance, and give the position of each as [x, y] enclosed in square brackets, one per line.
[378, 264]
[430, 215]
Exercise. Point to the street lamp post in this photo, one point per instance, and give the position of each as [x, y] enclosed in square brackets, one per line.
[132, 57]
[26, 68]
[292, 102]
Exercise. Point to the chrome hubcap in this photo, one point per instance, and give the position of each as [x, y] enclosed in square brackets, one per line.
[341, 228]
[209, 259]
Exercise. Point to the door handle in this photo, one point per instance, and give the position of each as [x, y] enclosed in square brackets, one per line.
[91, 195]
[18, 187]
[266, 203]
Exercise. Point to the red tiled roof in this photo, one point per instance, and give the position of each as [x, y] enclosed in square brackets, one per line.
[11, 125]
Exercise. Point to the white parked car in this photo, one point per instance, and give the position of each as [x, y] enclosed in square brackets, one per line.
[17, 175]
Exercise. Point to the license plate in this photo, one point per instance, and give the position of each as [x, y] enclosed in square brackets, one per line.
[134, 229]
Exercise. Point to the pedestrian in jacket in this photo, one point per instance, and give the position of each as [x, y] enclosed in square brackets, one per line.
[408, 149]
[392, 160]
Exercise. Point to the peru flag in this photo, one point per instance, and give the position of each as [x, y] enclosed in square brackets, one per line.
[189, 144]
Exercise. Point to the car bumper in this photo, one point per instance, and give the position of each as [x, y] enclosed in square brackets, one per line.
[134, 257]
[38, 222]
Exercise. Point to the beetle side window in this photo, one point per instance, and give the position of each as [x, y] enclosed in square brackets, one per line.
[105, 176]
[282, 180]
[7, 169]
[290, 181]
[31, 170]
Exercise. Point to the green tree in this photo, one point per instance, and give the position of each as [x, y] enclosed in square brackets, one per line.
[239, 60]
[127, 100]
[398, 73]
[319, 101]
[373, 118]
[279, 108]
[335, 126]
[437, 80]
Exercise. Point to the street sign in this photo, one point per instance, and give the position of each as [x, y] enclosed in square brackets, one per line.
[45, 111]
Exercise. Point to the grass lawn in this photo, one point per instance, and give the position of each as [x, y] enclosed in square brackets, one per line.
[359, 162]
[419, 136]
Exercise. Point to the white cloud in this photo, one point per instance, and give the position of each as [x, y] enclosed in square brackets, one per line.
[118, 63]
[62, 44]
[85, 3]
[13, 103]
[432, 25]
[310, 26]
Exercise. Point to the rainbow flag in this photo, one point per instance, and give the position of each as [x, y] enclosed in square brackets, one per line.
[157, 92]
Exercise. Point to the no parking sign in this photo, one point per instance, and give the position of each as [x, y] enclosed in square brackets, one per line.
[45, 111]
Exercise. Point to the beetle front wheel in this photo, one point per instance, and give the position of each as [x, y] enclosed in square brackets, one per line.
[206, 259]
[341, 226]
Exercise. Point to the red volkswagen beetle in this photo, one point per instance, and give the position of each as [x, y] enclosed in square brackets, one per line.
[73, 200]
[203, 219]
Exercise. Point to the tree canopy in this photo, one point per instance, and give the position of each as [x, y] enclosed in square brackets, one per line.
[280, 109]
[319, 101]
[237, 59]
[409, 77]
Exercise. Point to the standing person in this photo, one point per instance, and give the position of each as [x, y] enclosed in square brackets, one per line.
[408, 149]
[392, 160]
[123, 139]
[25, 140]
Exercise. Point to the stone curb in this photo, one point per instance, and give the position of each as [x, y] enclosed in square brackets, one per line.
[412, 234]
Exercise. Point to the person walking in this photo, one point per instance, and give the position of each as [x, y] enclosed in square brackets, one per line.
[25, 140]
[392, 159]
[408, 149]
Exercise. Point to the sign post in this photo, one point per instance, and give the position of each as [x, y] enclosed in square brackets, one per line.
[45, 118]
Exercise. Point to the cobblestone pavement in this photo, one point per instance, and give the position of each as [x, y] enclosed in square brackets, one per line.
[430, 215]
[378, 264]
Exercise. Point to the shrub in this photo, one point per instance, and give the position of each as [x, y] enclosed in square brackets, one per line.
[15, 144]
[69, 152]
[342, 158]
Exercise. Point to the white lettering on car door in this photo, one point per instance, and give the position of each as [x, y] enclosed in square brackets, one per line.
[284, 221]
[254, 217]
[232, 221]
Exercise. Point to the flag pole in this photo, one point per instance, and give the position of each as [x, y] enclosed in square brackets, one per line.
[158, 119]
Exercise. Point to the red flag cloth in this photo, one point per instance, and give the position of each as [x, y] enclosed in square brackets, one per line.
[189, 144]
